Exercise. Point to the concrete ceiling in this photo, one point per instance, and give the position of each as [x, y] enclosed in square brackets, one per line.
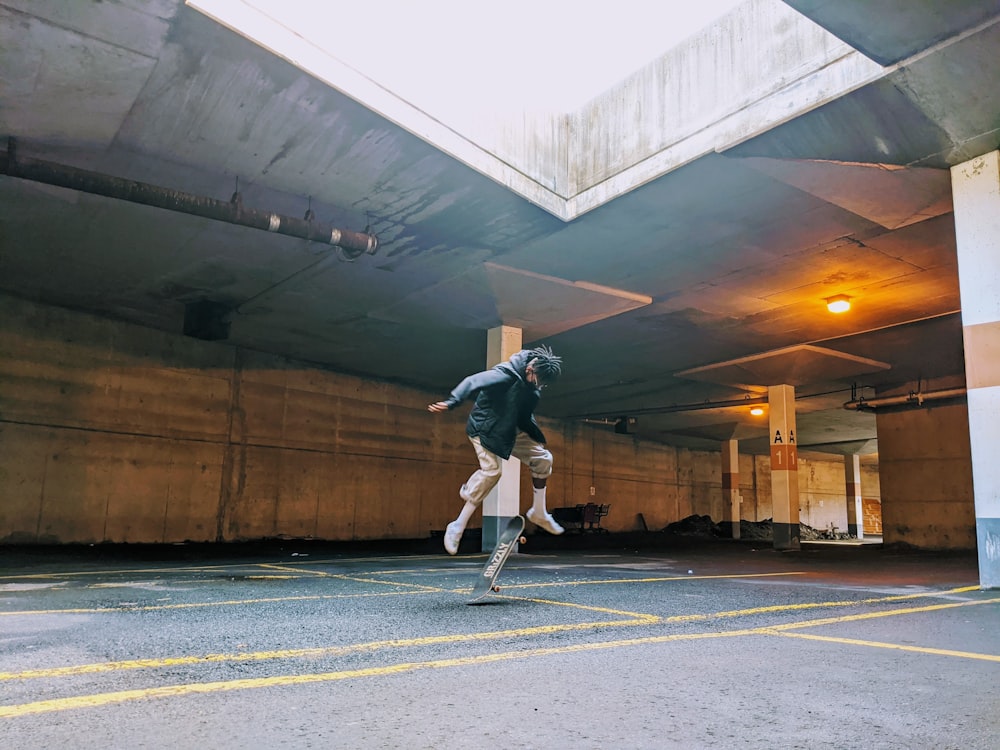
[723, 258]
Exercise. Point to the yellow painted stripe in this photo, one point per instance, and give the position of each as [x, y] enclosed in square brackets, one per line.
[197, 605]
[892, 646]
[657, 579]
[91, 701]
[357, 579]
[213, 568]
[634, 619]
[815, 605]
[874, 615]
[637, 618]
[172, 691]
[411, 589]
[174, 661]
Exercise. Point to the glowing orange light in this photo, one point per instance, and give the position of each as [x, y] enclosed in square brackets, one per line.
[838, 303]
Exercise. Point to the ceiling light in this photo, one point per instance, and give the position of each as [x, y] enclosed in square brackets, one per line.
[838, 303]
[757, 410]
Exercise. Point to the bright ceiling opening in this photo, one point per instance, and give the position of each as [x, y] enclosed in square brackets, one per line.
[446, 56]
[568, 103]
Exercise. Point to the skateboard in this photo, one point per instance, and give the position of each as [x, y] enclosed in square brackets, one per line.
[486, 581]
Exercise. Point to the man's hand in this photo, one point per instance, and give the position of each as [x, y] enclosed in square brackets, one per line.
[439, 406]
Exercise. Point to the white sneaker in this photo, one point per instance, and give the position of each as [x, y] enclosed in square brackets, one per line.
[542, 520]
[452, 536]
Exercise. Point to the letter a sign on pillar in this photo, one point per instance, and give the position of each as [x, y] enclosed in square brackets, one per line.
[784, 467]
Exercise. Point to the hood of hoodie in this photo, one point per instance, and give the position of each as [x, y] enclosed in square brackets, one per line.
[519, 363]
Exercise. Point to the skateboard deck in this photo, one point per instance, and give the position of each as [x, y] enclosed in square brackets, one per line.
[486, 581]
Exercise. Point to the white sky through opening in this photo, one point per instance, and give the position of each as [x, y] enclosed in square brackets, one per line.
[445, 56]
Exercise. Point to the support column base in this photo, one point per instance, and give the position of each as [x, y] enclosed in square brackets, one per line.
[786, 536]
[988, 543]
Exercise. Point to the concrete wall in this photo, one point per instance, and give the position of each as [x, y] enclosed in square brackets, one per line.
[111, 432]
[115, 433]
[926, 477]
[822, 490]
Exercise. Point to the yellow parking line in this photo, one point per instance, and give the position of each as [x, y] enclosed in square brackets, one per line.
[873, 615]
[657, 579]
[817, 605]
[354, 579]
[891, 646]
[636, 618]
[412, 588]
[633, 619]
[119, 571]
[112, 666]
[212, 568]
[171, 691]
[197, 605]
[102, 699]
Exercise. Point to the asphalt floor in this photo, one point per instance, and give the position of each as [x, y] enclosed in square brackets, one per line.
[608, 643]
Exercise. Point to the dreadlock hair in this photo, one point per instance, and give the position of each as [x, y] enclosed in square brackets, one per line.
[547, 366]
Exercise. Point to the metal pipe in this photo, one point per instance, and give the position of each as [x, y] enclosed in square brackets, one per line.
[676, 408]
[353, 244]
[913, 398]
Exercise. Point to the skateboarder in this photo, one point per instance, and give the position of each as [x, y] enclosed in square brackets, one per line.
[502, 424]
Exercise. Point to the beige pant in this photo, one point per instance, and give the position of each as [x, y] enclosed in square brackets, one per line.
[534, 455]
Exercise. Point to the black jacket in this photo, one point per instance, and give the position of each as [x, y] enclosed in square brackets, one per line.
[505, 404]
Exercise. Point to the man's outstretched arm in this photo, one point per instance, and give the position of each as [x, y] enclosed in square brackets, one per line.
[469, 386]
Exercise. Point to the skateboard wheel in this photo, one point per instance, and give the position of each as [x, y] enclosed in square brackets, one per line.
[524, 540]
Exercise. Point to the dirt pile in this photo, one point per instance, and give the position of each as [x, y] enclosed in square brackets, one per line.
[704, 526]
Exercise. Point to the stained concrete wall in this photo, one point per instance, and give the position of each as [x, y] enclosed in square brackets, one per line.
[822, 490]
[111, 432]
[925, 467]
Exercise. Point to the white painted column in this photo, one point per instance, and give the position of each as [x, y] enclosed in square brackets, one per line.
[504, 501]
[731, 485]
[784, 467]
[975, 188]
[855, 513]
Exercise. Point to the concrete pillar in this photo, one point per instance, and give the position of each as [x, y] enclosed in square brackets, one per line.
[731, 485]
[784, 467]
[976, 193]
[504, 501]
[855, 514]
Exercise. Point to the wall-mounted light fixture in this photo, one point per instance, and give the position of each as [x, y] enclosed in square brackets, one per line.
[756, 410]
[838, 303]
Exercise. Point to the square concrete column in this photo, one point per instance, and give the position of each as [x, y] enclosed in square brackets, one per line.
[731, 498]
[855, 514]
[504, 501]
[784, 467]
[975, 186]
